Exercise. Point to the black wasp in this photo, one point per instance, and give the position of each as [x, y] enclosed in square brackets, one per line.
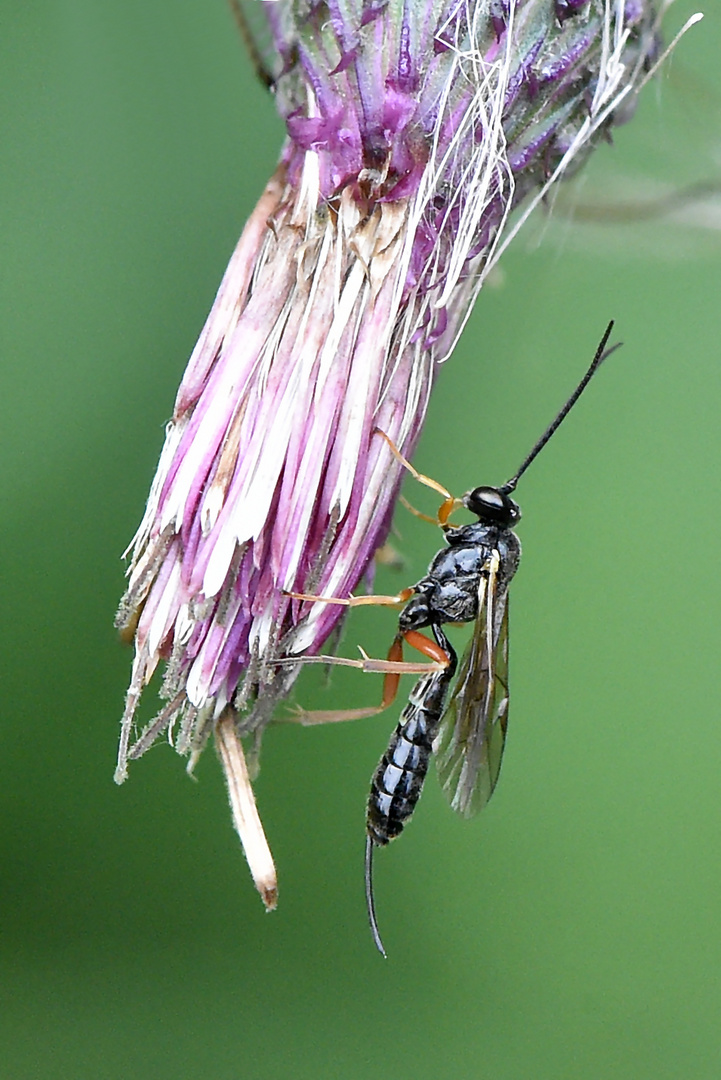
[467, 581]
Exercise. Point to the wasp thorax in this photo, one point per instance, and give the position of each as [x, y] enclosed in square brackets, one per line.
[493, 505]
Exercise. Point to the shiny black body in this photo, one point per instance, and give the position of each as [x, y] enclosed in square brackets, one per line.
[398, 780]
[448, 593]
[464, 728]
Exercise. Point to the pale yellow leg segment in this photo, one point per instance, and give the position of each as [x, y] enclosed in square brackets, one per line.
[355, 601]
[449, 504]
[393, 667]
[420, 477]
[368, 664]
[416, 513]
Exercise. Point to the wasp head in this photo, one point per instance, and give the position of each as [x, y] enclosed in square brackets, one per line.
[493, 506]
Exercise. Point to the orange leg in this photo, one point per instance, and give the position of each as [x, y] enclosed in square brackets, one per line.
[446, 509]
[393, 666]
[429, 648]
[449, 504]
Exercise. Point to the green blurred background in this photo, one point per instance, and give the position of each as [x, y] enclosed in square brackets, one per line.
[573, 929]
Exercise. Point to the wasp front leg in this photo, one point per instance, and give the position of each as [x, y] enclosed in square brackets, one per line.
[450, 502]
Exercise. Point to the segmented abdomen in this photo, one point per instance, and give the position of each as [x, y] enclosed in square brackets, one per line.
[398, 780]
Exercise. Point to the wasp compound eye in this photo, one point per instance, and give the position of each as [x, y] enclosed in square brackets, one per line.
[492, 505]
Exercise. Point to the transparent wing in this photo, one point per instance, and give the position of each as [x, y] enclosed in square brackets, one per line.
[472, 734]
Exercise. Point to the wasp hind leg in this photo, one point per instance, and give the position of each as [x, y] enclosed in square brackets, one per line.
[392, 667]
[355, 601]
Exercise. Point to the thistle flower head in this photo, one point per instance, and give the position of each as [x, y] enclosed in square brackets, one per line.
[415, 127]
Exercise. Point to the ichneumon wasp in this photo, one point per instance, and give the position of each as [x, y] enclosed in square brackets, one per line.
[467, 581]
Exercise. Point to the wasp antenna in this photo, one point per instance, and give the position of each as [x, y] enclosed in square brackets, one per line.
[262, 72]
[370, 904]
[602, 353]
